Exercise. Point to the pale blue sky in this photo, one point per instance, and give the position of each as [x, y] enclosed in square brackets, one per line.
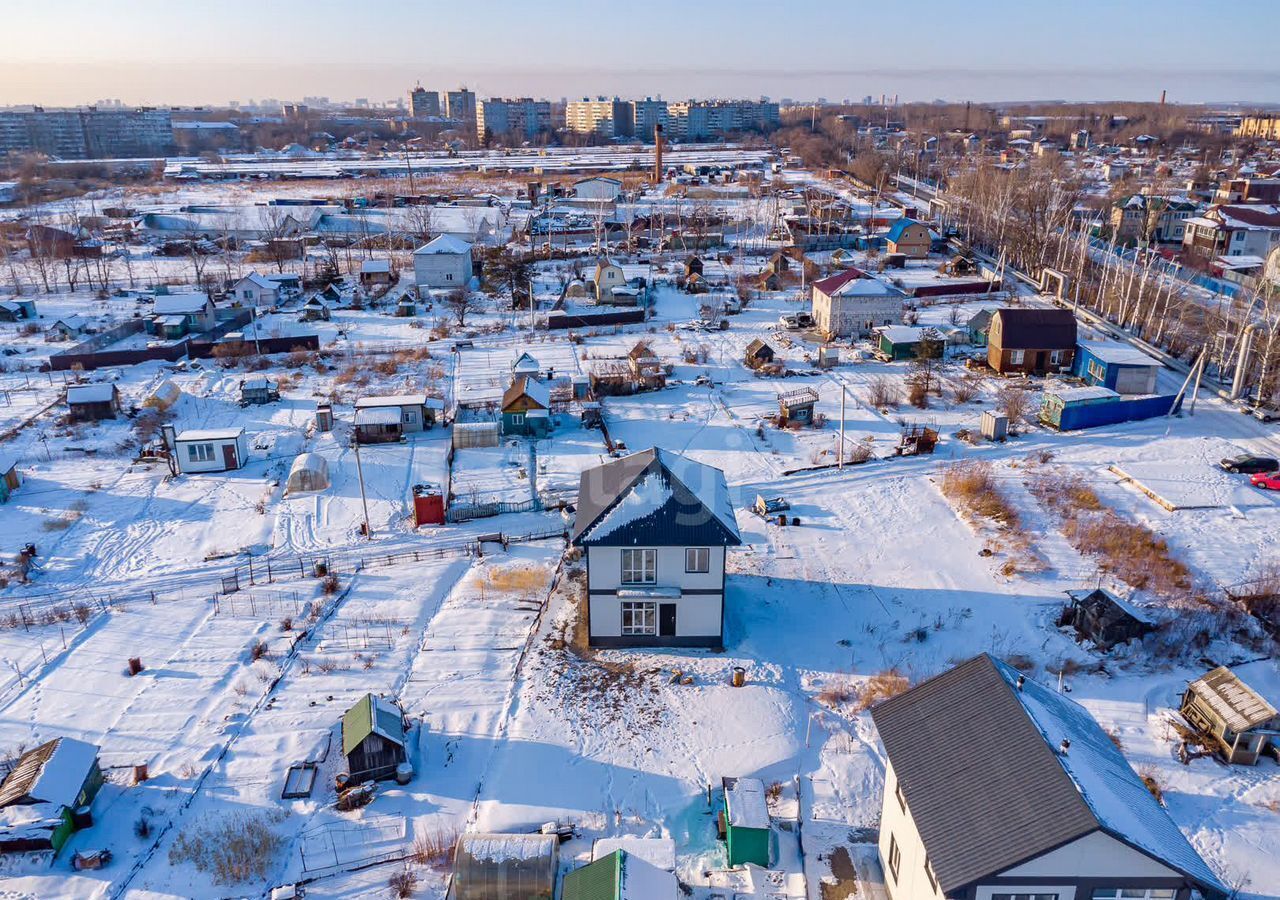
[172, 51]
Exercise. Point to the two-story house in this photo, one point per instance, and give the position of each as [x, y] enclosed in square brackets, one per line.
[655, 527]
[1233, 231]
[999, 788]
[852, 303]
[1142, 218]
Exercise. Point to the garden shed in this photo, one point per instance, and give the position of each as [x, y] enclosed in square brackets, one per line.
[373, 739]
[47, 795]
[9, 477]
[746, 821]
[1100, 616]
[93, 402]
[625, 869]
[797, 406]
[758, 354]
[309, 472]
[1123, 369]
[1237, 718]
[506, 866]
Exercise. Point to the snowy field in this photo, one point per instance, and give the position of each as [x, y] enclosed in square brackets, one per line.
[514, 722]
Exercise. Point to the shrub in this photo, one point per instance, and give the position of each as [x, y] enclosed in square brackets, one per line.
[883, 393]
[235, 847]
[880, 687]
[972, 487]
[403, 883]
[434, 848]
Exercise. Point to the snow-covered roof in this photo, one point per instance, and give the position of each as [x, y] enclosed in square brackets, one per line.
[392, 400]
[51, 773]
[660, 852]
[378, 415]
[91, 393]
[179, 304]
[376, 266]
[209, 434]
[657, 494]
[1142, 614]
[1077, 394]
[903, 334]
[258, 281]
[980, 757]
[445, 243]
[1117, 354]
[744, 803]
[1237, 704]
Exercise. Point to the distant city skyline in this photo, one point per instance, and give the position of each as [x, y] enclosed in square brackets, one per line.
[152, 52]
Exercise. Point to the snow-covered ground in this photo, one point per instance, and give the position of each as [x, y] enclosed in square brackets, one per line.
[514, 723]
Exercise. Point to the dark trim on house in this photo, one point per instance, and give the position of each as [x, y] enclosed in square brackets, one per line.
[684, 592]
[708, 641]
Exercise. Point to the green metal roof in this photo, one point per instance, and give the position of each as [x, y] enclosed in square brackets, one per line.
[600, 880]
[370, 715]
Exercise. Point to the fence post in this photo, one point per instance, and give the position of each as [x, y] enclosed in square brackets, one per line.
[251, 581]
[269, 579]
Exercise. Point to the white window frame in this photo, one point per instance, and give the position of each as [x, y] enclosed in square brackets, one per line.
[200, 452]
[1036, 895]
[639, 565]
[639, 618]
[517, 418]
[1016, 357]
[1133, 894]
[895, 858]
[691, 560]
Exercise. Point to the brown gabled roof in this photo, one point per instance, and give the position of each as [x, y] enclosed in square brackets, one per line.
[524, 385]
[835, 282]
[757, 345]
[1037, 329]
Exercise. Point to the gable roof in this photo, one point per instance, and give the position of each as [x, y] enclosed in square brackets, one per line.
[856, 283]
[100, 392]
[445, 243]
[654, 497]
[52, 773]
[371, 715]
[179, 304]
[258, 281]
[980, 765]
[757, 346]
[1238, 705]
[899, 227]
[1036, 329]
[523, 386]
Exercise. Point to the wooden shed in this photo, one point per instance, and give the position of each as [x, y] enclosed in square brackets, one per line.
[797, 406]
[373, 739]
[93, 402]
[1100, 616]
[758, 354]
[47, 795]
[1235, 716]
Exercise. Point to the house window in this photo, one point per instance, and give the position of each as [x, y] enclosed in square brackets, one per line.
[448, 276]
[517, 418]
[1026, 896]
[639, 566]
[1133, 894]
[897, 792]
[933, 882]
[411, 417]
[1016, 357]
[200, 452]
[639, 618]
[895, 857]
[1097, 370]
[1054, 356]
[697, 559]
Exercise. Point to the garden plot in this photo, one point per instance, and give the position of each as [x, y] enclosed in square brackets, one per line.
[366, 646]
[564, 455]
[483, 372]
[492, 474]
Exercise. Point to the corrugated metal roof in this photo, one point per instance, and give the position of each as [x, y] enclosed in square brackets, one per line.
[52, 773]
[980, 766]
[1239, 705]
[371, 715]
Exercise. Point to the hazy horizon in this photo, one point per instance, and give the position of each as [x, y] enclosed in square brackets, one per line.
[150, 52]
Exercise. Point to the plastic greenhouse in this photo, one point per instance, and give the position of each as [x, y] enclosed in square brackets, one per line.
[506, 867]
[310, 472]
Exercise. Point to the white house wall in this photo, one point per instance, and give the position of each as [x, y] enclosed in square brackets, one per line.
[1096, 855]
[698, 615]
[605, 569]
[848, 316]
[895, 822]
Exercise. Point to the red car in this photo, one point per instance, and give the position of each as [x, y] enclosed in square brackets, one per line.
[1267, 480]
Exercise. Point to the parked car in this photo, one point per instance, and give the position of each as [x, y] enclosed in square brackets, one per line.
[1268, 481]
[789, 322]
[1265, 413]
[1248, 464]
[805, 320]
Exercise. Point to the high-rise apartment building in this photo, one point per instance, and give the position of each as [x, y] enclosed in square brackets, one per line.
[525, 117]
[88, 133]
[424, 104]
[602, 116]
[461, 105]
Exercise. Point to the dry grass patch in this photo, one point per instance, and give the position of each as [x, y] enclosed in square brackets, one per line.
[972, 488]
[516, 578]
[1152, 784]
[233, 848]
[880, 687]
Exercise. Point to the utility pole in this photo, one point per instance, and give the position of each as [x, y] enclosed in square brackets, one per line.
[253, 315]
[364, 501]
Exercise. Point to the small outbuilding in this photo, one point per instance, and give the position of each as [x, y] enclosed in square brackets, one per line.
[373, 739]
[1100, 616]
[93, 402]
[377, 272]
[625, 869]
[209, 450]
[257, 390]
[758, 354]
[309, 472]
[1110, 364]
[1235, 716]
[899, 342]
[380, 420]
[525, 364]
[746, 822]
[10, 480]
[47, 796]
[526, 408]
[505, 866]
[797, 406]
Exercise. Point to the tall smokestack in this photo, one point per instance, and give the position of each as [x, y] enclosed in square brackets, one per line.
[657, 153]
[1162, 94]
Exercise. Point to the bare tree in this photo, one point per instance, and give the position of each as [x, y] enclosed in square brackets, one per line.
[462, 303]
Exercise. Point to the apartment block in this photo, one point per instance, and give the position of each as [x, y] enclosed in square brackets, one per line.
[525, 117]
